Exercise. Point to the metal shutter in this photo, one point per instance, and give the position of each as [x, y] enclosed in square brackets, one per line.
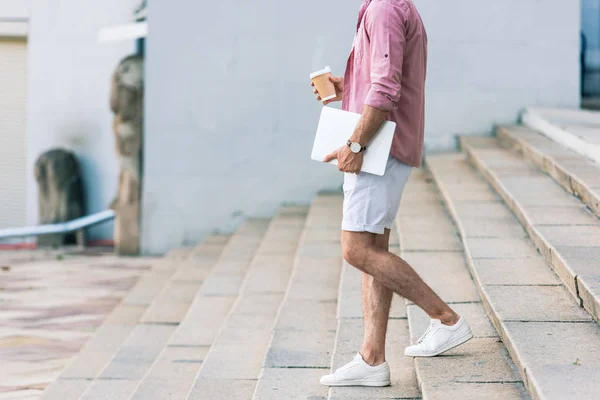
[13, 132]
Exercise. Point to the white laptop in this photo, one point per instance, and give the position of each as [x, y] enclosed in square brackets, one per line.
[336, 127]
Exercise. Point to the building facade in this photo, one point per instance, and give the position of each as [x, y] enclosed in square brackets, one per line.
[590, 27]
[14, 18]
[230, 117]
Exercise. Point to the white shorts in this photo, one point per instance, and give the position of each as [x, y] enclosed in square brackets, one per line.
[371, 202]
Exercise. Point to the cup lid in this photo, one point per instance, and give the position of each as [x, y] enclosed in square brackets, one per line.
[320, 72]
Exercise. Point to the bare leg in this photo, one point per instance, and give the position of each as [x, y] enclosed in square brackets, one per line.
[394, 273]
[376, 302]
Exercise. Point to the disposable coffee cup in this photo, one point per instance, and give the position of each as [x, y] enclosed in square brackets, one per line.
[323, 84]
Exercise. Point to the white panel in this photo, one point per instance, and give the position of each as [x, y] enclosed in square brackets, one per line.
[14, 29]
[13, 134]
[123, 32]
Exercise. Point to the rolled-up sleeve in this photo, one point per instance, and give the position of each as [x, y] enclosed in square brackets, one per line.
[385, 24]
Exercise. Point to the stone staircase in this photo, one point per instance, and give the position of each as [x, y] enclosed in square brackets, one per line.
[533, 248]
[482, 368]
[507, 232]
[578, 130]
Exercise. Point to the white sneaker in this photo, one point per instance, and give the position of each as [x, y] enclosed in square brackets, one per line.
[439, 338]
[358, 373]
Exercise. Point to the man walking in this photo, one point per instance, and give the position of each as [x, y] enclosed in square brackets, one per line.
[385, 80]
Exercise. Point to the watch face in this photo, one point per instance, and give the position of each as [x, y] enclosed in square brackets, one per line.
[355, 147]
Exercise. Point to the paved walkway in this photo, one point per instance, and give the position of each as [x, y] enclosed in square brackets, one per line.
[51, 302]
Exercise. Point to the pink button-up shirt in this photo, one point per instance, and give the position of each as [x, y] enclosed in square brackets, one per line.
[386, 70]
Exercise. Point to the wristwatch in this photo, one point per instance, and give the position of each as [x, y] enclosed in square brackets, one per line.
[355, 147]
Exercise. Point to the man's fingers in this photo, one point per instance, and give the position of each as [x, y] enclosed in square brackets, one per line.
[312, 83]
[330, 157]
[318, 97]
[336, 79]
[315, 91]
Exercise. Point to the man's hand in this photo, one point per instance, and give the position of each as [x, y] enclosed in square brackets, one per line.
[338, 82]
[347, 160]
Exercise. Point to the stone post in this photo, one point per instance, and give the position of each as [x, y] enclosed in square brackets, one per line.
[60, 194]
[127, 103]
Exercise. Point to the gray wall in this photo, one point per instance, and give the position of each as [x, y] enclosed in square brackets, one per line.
[230, 118]
[230, 114]
[490, 59]
[14, 9]
[69, 91]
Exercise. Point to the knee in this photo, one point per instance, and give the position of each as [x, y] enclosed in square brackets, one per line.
[355, 255]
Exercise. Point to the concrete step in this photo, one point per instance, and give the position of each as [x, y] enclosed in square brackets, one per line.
[480, 369]
[137, 352]
[234, 361]
[303, 335]
[117, 327]
[573, 172]
[349, 340]
[564, 230]
[577, 130]
[171, 371]
[554, 342]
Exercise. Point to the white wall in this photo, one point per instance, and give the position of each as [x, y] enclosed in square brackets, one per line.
[15, 9]
[230, 118]
[487, 60]
[69, 93]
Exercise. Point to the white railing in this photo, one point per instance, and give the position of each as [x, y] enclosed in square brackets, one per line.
[62, 228]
